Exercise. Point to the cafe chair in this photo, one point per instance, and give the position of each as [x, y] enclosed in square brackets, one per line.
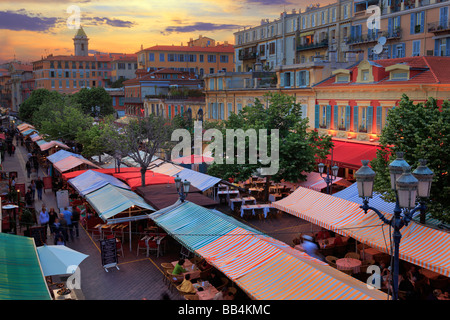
[141, 246]
[191, 297]
[352, 255]
[331, 260]
[224, 283]
[119, 247]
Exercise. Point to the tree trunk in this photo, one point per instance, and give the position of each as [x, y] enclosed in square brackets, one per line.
[266, 189]
[143, 171]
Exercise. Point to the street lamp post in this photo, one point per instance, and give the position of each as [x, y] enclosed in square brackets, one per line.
[328, 178]
[182, 188]
[407, 187]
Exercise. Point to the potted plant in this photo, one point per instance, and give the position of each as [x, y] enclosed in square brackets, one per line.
[26, 220]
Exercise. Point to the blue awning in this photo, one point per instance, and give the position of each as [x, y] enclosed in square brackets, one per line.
[61, 155]
[197, 179]
[90, 181]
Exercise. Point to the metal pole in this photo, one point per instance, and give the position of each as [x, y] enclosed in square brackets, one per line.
[397, 224]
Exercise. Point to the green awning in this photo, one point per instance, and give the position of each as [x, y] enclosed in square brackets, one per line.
[21, 276]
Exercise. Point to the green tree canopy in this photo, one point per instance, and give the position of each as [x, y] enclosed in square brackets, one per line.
[298, 147]
[421, 131]
[37, 98]
[141, 139]
[61, 120]
[90, 99]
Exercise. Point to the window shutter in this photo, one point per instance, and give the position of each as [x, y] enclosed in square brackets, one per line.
[436, 47]
[292, 79]
[347, 118]
[222, 111]
[328, 116]
[403, 50]
[230, 109]
[306, 78]
[239, 107]
[394, 51]
[379, 119]
[369, 119]
[336, 117]
[297, 79]
[390, 27]
[413, 23]
[422, 21]
[355, 118]
[281, 79]
[316, 116]
[447, 47]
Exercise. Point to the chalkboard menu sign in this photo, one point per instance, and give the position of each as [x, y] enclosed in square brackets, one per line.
[39, 234]
[108, 253]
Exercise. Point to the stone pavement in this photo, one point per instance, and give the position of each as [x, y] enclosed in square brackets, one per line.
[139, 277]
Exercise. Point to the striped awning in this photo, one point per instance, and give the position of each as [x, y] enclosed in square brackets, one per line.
[160, 166]
[62, 154]
[420, 245]
[199, 180]
[21, 276]
[263, 267]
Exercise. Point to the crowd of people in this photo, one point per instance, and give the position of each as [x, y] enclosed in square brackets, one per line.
[64, 227]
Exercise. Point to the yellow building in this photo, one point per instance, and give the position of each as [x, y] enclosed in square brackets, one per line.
[193, 59]
[411, 28]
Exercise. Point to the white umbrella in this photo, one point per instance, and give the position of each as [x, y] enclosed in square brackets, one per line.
[56, 260]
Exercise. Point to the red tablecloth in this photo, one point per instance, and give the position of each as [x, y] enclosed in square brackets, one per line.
[349, 264]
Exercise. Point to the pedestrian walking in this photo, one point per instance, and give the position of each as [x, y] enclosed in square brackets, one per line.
[33, 188]
[44, 217]
[39, 187]
[75, 220]
[52, 219]
[28, 168]
[29, 197]
[36, 164]
[68, 217]
[63, 227]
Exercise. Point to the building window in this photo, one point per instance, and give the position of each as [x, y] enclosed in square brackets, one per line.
[161, 57]
[416, 48]
[53, 83]
[272, 48]
[151, 57]
[365, 75]
[171, 57]
[223, 59]
[211, 70]
[417, 22]
[211, 58]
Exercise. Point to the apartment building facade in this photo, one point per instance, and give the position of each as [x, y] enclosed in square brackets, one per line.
[196, 60]
[124, 67]
[411, 28]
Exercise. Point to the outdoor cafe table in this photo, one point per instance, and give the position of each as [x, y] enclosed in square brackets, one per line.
[252, 207]
[191, 268]
[208, 292]
[349, 264]
[369, 253]
[243, 200]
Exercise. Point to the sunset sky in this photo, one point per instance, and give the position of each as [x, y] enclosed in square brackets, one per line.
[30, 29]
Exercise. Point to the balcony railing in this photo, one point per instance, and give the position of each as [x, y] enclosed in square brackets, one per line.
[321, 44]
[247, 55]
[439, 26]
[133, 100]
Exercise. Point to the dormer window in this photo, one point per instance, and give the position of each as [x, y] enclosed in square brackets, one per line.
[365, 73]
[398, 72]
[342, 76]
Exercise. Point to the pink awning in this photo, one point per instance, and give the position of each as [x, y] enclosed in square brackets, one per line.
[72, 162]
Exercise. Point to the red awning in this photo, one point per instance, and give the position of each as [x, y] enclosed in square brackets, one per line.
[349, 154]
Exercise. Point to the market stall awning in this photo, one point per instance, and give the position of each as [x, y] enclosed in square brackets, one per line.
[199, 180]
[420, 245]
[110, 200]
[109, 171]
[161, 166]
[193, 159]
[160, 197]
[24, 126]
[241, 252]
[92, 180]
[351, 194]
[21, 276]
[134, 179]
[52, 144]
[28, 132]
[348, 154]
[72, 162]
[62, 154]
[132, 163]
